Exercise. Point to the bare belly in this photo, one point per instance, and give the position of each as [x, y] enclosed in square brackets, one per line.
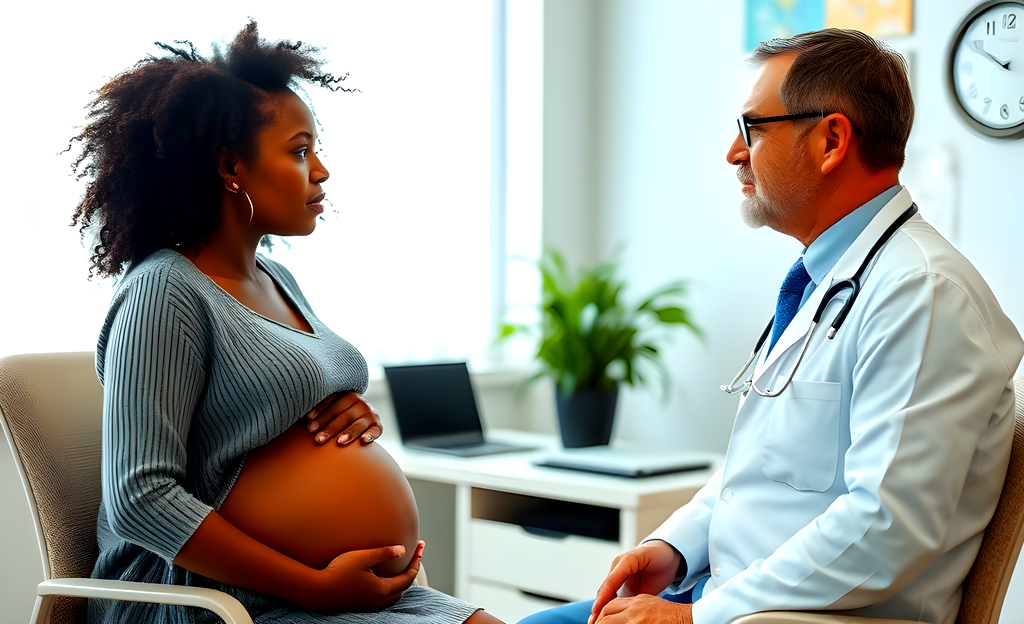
[313, 502]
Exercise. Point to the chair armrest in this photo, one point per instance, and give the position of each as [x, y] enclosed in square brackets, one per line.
[224, 605]
[815, 617]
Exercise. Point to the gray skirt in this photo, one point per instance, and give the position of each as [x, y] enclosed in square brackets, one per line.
[418, 605]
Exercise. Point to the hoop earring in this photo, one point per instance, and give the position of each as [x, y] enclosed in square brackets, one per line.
[234, 189]
[251, 211]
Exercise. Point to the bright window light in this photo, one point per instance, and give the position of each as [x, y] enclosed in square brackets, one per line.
[401, 267]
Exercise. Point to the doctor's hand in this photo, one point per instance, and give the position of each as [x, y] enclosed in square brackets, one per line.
[348, 413]
[647, 569]
[645, 609]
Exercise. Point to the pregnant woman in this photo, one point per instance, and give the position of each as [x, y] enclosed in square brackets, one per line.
[217, 374]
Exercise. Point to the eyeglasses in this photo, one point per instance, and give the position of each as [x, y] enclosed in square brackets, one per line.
[745, 122]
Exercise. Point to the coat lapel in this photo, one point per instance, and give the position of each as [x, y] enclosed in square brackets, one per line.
[844, 268]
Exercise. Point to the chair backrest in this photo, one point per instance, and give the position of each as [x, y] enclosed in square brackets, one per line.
[985, 587]
[51, 408]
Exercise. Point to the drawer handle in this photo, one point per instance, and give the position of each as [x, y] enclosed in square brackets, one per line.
[548, 533]
[531, 594]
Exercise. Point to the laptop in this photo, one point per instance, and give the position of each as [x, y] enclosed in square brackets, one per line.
[436, 410]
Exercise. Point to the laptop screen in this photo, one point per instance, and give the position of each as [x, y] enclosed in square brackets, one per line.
[434, 401]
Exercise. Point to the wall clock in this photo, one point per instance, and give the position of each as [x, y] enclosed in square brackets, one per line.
[985, 69]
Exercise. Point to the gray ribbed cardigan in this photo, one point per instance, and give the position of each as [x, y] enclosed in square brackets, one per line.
[192, 381]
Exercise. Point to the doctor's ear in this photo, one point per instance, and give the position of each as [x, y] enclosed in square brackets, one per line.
[838, 137]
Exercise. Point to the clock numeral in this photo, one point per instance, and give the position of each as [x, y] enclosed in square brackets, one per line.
[1009, 21]
[988, 105]
[1022, 102]
[972, 90]
[1004, 112]
[990, 27]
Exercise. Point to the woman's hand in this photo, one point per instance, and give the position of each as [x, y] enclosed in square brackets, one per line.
[348, 582]
[348, 413]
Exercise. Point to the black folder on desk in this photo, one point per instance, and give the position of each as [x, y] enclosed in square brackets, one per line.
[634, 463]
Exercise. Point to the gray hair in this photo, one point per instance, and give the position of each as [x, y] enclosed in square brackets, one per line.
[848, 72]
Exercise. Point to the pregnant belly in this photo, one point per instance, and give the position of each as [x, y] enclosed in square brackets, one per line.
[314, 502]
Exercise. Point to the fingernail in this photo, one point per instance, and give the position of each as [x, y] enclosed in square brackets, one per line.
[367, 438]
[314, 426]
[322, 437]
[343, 439]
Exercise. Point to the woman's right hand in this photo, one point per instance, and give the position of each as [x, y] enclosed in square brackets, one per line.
[347, 413]
[348, 582]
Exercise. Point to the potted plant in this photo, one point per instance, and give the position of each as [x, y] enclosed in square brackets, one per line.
[591, 341]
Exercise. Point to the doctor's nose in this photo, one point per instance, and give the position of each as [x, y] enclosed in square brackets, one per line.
[738, 152]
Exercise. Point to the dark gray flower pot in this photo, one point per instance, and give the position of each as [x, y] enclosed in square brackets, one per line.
[586, 417]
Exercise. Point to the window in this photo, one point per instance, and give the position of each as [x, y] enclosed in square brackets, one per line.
[410, 262]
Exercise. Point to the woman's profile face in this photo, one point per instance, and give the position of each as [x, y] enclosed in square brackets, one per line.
[284, 176]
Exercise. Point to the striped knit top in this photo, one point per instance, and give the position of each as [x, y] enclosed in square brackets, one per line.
[193, 380]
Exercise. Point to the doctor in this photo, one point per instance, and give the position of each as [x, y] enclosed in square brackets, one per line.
[864, 486]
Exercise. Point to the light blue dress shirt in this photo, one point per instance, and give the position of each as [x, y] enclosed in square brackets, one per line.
[823, 252]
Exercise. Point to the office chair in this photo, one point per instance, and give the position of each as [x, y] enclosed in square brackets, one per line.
[51, 408]
[985, 587]
[51, 412]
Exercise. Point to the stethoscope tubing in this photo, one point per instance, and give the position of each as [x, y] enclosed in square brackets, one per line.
[852, 283]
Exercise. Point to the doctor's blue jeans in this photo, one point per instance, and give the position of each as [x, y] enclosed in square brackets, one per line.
[579, 612]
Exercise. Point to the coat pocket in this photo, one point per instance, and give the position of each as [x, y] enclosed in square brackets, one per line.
[801, 443]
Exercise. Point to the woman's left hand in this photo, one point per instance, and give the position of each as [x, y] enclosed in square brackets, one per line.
[348, 413]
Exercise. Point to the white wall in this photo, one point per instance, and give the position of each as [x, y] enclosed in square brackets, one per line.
[642, 96]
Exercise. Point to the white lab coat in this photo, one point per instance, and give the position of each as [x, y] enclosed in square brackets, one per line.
[864, 487]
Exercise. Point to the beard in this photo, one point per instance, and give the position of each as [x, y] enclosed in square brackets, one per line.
[781, 192]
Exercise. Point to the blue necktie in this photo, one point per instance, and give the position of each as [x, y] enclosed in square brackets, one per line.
[790, 294]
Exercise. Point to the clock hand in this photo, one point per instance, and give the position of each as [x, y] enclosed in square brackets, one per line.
[979, 47]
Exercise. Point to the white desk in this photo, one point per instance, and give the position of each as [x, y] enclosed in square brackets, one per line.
[511, 572]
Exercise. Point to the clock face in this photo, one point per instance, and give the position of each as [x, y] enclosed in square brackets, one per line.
[987, 68]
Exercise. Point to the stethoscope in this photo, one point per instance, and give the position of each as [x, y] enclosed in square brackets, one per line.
[853, 283]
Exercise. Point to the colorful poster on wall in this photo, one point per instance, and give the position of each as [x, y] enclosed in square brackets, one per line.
[878, 18]
[770, 19]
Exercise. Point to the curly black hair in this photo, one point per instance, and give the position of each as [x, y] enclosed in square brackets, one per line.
[157, 132]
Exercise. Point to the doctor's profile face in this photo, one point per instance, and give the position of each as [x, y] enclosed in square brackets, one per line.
[776, 170]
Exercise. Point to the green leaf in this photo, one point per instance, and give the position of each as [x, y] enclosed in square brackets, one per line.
[671, 315]
[511, 328]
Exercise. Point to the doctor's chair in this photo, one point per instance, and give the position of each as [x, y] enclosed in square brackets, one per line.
[51, 408]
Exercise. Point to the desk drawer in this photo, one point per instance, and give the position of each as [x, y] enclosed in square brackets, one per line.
[508, 604]
[570, 567]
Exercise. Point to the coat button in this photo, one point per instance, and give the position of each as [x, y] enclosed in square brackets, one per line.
[716, 571]
[727, 494]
